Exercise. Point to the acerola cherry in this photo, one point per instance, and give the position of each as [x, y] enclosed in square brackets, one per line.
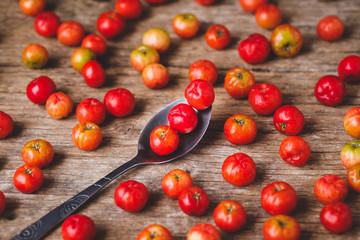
[128, 9]
[182, 118]
[39, 89]
[251, 5]
[330, 90]
[32, 7]
[164, 140]
[265, 98]
[268, 16]
[289, 120]
[349, 69]
[6, 125]
[204, 70]
[185, 25]
[35, 56]
[70, 33]
[330, 28]
[217, 36]
[96, 43]
[200, 94]
[254, 49]
[46, 24]
[93, 73]
[119, 102]
[110, 24]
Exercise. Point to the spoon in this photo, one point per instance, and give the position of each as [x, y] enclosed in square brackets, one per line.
[145, 155]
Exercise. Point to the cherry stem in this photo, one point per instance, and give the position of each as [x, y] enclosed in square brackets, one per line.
[219, 33]
[28, 171]
[281, 223]
[35, 146]
[240, 122]
[196, 196]
[88, 127]
[286, 46]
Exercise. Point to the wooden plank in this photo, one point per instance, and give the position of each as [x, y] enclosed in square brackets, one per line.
[73, 169]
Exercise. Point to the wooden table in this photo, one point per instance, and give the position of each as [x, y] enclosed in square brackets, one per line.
[73, 169]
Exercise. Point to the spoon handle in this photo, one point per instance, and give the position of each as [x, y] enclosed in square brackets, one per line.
[44, 225]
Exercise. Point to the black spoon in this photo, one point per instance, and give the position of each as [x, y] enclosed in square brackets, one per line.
[145, 155]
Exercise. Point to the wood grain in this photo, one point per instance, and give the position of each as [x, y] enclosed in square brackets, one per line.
[73, 169]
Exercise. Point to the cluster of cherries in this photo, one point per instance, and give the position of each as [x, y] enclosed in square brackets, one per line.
[277, 198]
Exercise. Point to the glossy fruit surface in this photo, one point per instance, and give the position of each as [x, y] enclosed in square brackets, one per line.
[6, 125]
[95, 43]
[59, 105]
[336, 217]
[185, 25]
[203, 231]
[205, 2]
[349, 69]
[164, 140]
[193, 201]
[142, 56]
[70, 33]
[32, 7]
[110, 24]
[352, 122]
[35, 56]
[154, 232]
[239, 169]
[281, 227]
[38, 153]
[155, 76]
[91, 110]
[129, 9]
[330, 90]
[204, 70]
[131, 196]
[289, 120]
[80, 57]
[330, 188]
[39, 89]
[229, 216]
[2, 202]
[175, 182]
[278, 198]
[238, 82]
[268, 16]
[182, 118]
[254, 49]
[87, 136]
[200, 94]
[251, 5]
[240, 129]
[28, 179]
[119, 102]
[93, 73]
[295, 151]
[46, 24]
[286, 40]
[330, 28]
[78, 227]
[350, 154]
[265, 98]
[217, 36]
[353, 177]
[157, 38]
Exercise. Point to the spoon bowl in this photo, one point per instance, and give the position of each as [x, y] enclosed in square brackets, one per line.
[187, 140]
[145, 155]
